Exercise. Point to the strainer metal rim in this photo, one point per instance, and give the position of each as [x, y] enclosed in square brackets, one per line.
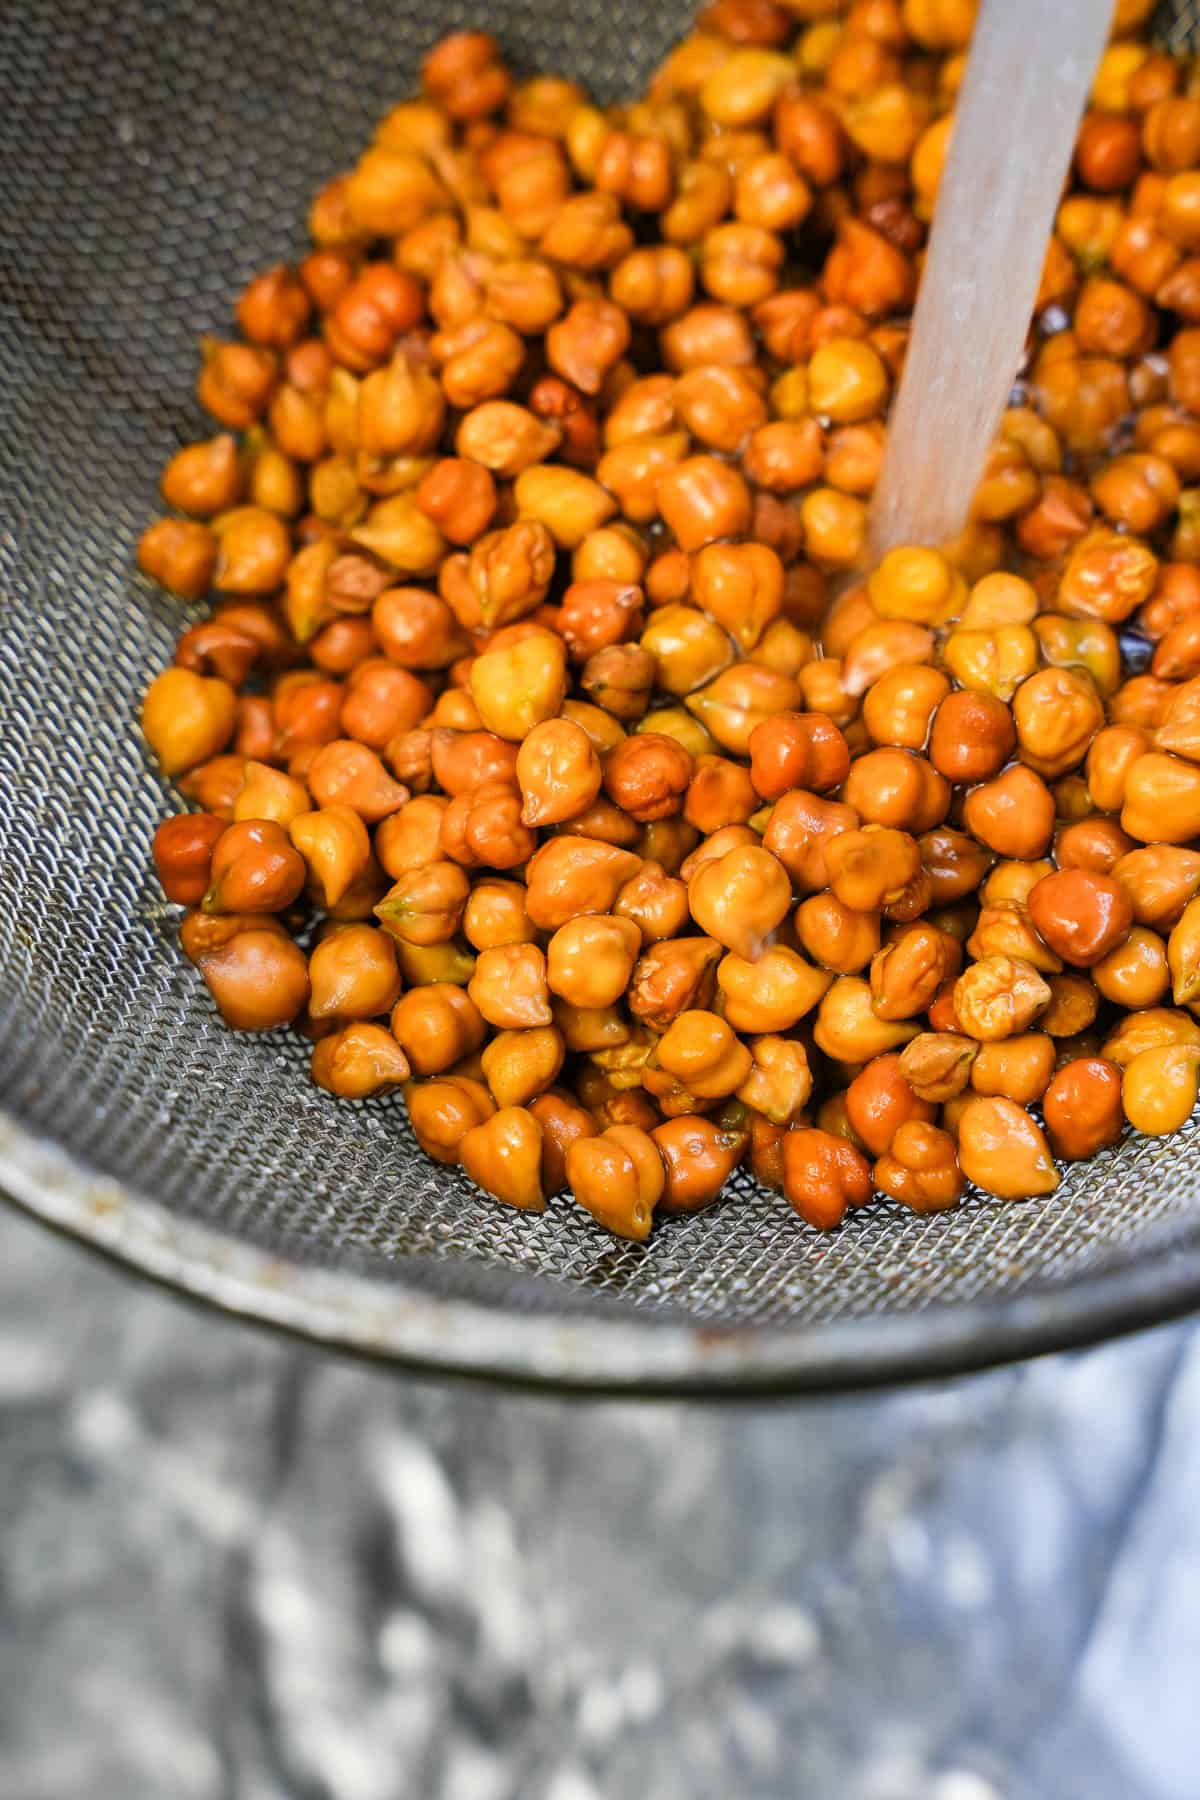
[386, 1320]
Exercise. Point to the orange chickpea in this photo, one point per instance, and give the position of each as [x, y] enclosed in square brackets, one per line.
[382, 701]
[589, 960]
[998, 997]
[509, 987]
[359, 1060]
[1018, 1067]
[823, 1176]
[572, 875]
[503, 1156]
[201, 479]
[254, 869]
[655, 901]
[425, 906]
[879, 1101]
[558, 771]
[336, 849]
[1081, 914]
[701, 1052]
[236, 382]
[597, 614]
[443, 1111]
[648, 776]
[1092, 843]
[720, 793]
[495, 915]
[701, 500]
[618, 1177]
[1003, 1150]
[258, 978]
[896, 788]
[1082, 1108]
[346, 773]
[181, 555]
[698, 1156]
[937, 1065]
[740, 898]
[563, 1122]
[1159, 881]
[182, 850]
[673, 977]
[1162, 800]
[737, 700]
[973, 737]
[1012, 815]
[354, 974]
[899, 708]
[920, 1168]
[793, 750]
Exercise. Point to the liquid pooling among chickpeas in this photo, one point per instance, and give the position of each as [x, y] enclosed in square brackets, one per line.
[553, 759]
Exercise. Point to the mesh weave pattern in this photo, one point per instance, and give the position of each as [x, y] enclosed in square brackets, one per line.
[151, 157]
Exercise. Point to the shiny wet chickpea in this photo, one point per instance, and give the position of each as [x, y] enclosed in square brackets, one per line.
[525, 546]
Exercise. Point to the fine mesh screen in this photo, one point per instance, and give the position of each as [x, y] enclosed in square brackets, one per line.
[151, 157]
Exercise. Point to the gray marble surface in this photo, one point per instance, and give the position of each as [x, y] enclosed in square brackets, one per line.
[232, 1568]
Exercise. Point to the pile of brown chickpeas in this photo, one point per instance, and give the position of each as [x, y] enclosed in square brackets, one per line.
[551, 761]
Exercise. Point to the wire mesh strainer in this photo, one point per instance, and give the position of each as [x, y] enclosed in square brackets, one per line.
[151, 158]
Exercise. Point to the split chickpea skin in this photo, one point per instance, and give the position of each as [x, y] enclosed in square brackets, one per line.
[555, 760]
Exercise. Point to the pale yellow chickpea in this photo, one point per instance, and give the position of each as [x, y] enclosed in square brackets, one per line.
[1004, 1151]
[520, 1065]
[999, 997]
[848, 1029]
[773, 993]
[780, 1083]
[1159, 1087]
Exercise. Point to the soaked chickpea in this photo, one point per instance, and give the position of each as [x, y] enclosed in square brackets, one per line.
[1083, 1108]
[1159, 1088]
[572, 875]
[253, 868]
[698, 1156]
[589, 960]
[920, 1168]
[558, 771]
[563, 1121]
[444, 1110]
[880, 1100]
[437, 1027]
[503, 1156]
[509, 986]
[354, 974]
[842, 938]
[520, 1065]
[1003, 1150]
[740, 898]
[359, 1060]
[182, 849]
[258, 978]
[1017, 1067]
[618, 1177]
[1081, 914]
[998, 997]
[655, 901]
[823, 1177]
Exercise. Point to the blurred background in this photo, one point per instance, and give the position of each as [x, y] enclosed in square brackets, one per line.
[234, 1568]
